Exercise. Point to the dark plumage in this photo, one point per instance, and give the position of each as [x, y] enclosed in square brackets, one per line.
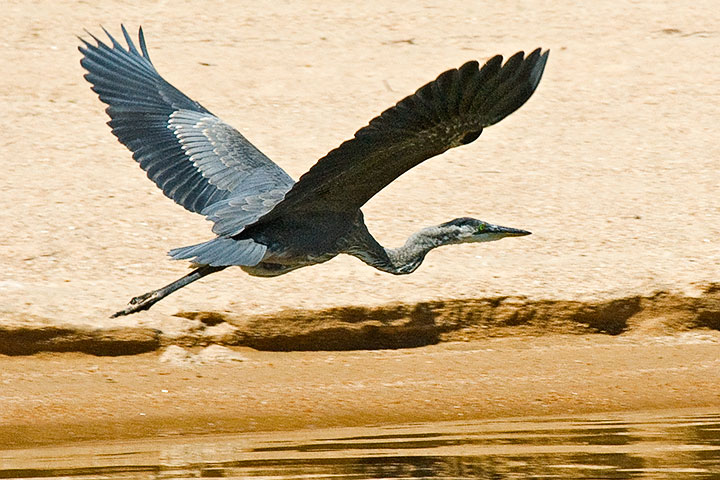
[265, 222]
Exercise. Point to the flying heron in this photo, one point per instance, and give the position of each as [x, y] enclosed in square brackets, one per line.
[265, 222]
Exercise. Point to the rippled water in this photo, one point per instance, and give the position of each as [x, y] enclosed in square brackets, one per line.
[648, 446]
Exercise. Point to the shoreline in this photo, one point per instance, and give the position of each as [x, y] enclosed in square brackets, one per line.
[389, 326]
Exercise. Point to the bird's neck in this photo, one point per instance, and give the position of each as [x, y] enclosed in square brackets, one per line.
[402, 260]
[407, 259]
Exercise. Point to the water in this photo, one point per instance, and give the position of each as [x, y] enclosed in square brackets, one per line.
[648, 446]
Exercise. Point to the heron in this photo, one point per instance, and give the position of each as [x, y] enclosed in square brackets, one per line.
[264, 221]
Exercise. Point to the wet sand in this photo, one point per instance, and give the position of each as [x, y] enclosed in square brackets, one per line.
[613, 165]
[57, 398]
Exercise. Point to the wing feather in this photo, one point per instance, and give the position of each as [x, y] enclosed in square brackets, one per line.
[448, 112]
[194, 157]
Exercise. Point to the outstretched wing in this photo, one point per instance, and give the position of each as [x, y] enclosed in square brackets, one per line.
[445, 113]
[195, 158]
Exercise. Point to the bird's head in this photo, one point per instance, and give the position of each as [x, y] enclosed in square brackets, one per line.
[471, 230]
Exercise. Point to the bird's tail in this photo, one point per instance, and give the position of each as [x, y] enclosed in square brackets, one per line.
[222, 251]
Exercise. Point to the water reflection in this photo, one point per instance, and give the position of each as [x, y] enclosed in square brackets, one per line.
[649, 446]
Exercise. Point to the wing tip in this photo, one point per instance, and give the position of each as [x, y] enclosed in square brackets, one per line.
[539, 60]
[131, 47]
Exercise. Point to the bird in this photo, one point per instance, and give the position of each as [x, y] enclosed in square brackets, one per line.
[265, 222]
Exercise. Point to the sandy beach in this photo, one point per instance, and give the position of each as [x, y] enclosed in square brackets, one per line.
[612, 304]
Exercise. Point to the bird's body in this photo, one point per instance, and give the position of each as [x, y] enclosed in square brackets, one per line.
[265, 222]
[330, 235]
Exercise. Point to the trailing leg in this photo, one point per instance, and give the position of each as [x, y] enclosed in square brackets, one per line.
[147, 300]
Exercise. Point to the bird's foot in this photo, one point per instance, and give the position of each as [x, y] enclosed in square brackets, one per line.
[139, 303]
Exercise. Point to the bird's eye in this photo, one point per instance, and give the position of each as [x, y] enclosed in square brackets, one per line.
[480, 228]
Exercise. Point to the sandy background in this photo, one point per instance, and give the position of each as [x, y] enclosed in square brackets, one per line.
[613, 165]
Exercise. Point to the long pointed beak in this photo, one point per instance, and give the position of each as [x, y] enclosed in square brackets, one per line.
[511, 232]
